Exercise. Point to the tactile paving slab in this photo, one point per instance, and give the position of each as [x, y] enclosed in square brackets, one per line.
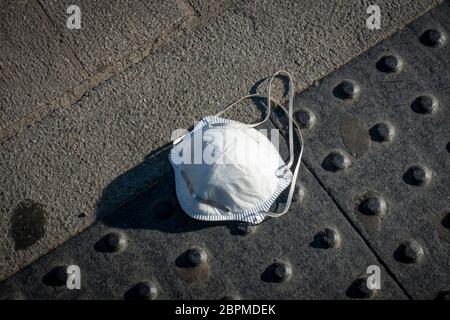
[151, 249]
[377, 133]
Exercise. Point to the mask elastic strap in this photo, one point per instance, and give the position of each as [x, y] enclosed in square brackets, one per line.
[292, 123]
[269, 110]
[290, 113]
[295, 173]
[255, 95]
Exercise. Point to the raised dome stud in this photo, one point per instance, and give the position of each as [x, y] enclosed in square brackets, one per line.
[305, 118]
[389, 64]
[417, 175]
[281, 271]
[421, 175]
[346, 90]
[245, 228]
[115, 241]
[362, 291]
[336, 161]
[410, 251]
[433, 38]
[373, 206]
[425, 104]
[382, 132]
[61, 275]
[56, 277]
[196, 257]
[146, 290]
[339, 161]
[329, 238]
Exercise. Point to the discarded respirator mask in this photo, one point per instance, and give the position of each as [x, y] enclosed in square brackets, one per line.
[227, 170]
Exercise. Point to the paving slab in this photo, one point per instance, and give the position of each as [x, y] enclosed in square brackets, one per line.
[59, 168]
[113, 29]
[380, 146]
[239, 259]
[33, 66]
[117, 34]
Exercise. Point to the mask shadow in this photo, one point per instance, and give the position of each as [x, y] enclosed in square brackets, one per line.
[144, 197]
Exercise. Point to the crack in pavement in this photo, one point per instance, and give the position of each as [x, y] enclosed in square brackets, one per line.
[187, 23]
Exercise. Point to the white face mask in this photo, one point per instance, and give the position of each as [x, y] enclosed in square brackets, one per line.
[227, 170]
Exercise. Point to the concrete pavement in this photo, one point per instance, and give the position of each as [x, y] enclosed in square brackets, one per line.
[111, 96]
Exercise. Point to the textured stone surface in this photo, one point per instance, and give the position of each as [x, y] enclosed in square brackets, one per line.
[407, 227]
[228, 263]
[111, 29]
[33, 66]
[70, 159]
[206, 7]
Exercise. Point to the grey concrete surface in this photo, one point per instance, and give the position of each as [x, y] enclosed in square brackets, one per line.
[236, 261]
[414, 212]
[111, 29]
[33, 67]
[66, 160]
[207, 7]
[113, 36]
